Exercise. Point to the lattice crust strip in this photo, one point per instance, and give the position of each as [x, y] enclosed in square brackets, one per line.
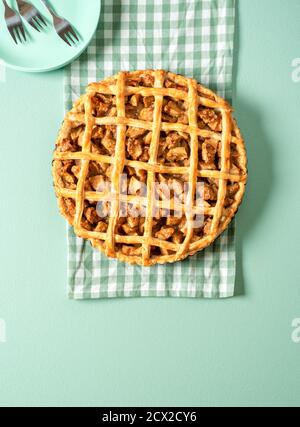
[192, 116]
[156, 128]
[118, 166]
[197, 98]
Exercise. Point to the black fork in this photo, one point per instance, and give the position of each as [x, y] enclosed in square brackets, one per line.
[14, 24]
[31, 14]
[63, 27]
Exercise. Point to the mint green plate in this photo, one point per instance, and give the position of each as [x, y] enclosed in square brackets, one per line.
[45, 51]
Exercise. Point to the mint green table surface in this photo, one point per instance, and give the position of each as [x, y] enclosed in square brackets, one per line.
[158, 351]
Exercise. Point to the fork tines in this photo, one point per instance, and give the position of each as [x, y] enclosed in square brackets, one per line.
[36, 21]
[68, 35]
[17, 32]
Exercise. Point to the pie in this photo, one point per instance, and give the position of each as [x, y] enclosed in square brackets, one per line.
[149, 166]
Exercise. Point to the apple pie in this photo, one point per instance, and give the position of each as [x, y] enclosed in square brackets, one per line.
[149, 166]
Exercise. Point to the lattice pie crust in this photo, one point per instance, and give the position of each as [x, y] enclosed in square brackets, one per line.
[182, 156]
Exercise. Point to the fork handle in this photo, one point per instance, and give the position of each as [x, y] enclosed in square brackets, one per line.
[20, 3]
[7, 8]
[46, 3]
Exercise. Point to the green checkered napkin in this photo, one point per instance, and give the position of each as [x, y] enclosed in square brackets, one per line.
[193, 38]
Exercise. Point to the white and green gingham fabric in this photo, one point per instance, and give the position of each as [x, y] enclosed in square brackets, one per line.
[193, 38]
